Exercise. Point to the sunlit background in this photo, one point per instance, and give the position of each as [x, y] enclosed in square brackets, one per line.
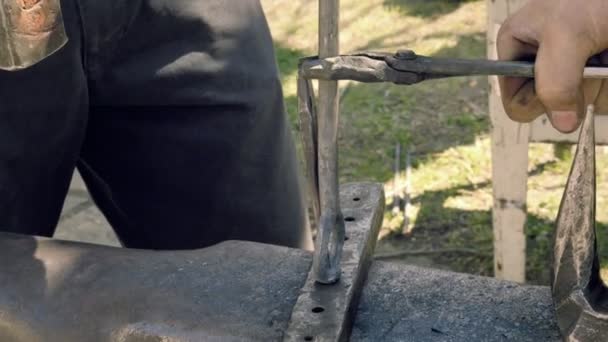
[444, 124]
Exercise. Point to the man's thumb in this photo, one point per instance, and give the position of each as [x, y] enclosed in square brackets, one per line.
[560, 63]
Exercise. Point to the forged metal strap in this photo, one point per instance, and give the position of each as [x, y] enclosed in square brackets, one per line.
[308, 134]
[30, 31]
[578, 292]
[326, 312]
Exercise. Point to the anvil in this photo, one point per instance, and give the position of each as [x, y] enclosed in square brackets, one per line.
[58, 291]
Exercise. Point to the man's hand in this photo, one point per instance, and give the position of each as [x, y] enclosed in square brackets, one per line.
[562, 35]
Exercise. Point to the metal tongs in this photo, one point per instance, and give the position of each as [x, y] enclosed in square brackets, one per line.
[406, 67]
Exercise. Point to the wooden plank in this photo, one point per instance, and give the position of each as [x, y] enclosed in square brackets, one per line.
[542, 131]
[509, 166]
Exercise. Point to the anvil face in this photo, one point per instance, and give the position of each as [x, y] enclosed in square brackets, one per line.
[59, 291]
[55, 291]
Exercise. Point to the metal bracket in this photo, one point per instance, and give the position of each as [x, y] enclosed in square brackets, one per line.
[580, 296]
[326, 312]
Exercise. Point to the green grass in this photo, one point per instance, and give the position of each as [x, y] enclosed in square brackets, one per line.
[444, 122]
[423, 8]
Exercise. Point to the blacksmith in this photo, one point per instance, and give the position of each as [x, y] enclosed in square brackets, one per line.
[171, 109]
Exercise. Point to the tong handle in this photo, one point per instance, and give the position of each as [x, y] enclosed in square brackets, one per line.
[433, 67]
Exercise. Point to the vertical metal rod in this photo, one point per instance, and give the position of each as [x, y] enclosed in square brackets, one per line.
[407, 191]
[397, 194]
[309, 129]
[330, 238]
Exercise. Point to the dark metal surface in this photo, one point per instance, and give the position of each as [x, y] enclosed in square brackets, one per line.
[53, 291]
[432, 67]
[30, 31]
[56, 291]
[413, 304]
[326, 312]
[580, 296]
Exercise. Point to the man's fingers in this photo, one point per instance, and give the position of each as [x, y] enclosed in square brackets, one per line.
[523, 105]
[560, 62]
[562, 35]
[518, 94]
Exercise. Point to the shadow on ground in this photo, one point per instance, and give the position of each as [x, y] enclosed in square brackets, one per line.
[462, 240]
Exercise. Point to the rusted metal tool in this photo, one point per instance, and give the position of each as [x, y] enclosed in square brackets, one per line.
[30, 31]
[579, 294]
